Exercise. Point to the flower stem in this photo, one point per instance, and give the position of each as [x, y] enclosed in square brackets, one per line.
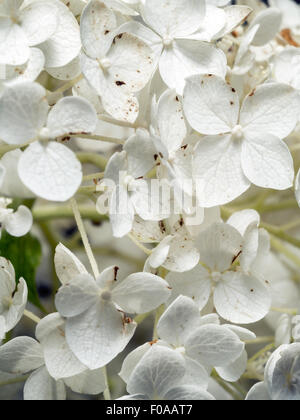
[32, 316]
[84, 237]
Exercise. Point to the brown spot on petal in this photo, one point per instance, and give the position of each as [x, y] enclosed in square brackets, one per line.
[287, 36]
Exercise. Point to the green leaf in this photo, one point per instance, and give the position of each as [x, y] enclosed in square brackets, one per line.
[25, 255]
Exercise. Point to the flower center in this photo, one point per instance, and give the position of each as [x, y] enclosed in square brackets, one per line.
[168, 41]
[216, 276]
[105, 63]
[106, 295]
[180, 350]
[237, 132]
[128, 180]
[44, 134]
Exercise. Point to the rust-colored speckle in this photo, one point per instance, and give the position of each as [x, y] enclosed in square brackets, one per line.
[287, 36]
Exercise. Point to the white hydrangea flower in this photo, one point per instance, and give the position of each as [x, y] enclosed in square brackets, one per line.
[128, 192]
[156, 377]
[51, 362]
[116, 64]
[242, 145]
[12, 299]
[178, 35]
[23, 26]
[49, 169]
[282, 376]
[16, 223]
[97, 328]
[237, 296]
[201, 341]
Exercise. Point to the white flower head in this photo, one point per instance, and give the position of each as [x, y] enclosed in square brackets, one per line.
[97, 328]
[13, 299]
[49, 169]
[241, 145]
[116, 64]
[237, 296]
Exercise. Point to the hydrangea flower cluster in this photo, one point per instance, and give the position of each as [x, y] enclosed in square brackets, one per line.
[150, 179]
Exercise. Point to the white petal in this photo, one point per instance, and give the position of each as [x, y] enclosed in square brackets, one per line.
[259, 392]
[131, 361]
[7, 279]
[235, 370]
[99, 335]
[97, 25]
[187, 58]
[74, 298]
[72, 115]
[41, 387]
[131, 63]
[12, 185]
[179, 319]
[59, 359]
[39, 22]
[212, 25]
[195, 284]
[286, 67]
[23, 110]
[267, 161]
[68, 72]
[121, 212]
[218, 171]
[20, 222]
[195, 374]
[213, 345]
[241, 299]
[269, 21]
[29, 71]
[219, 246]
[243, 333]
[91, 382]
[156, 372]
[183, 256]
[50, 170]
[170, 121]
[160, 253]
[141, 293]
[211, 106]
[18, 305]
[21, 355]
[67, 265]
[247, 222]
[2, 328]
[140, 153]
[14, 48]
[120, 106]
[235, 15]
[64, 45]
[272, 108]
[116, 164]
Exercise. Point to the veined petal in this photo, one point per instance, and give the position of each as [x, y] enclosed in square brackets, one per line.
[186, 58]
[210, 105]
[267, 161]
[241, 299]
[50, 170]
[23, 111]
[99, 335]
[218, 171]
